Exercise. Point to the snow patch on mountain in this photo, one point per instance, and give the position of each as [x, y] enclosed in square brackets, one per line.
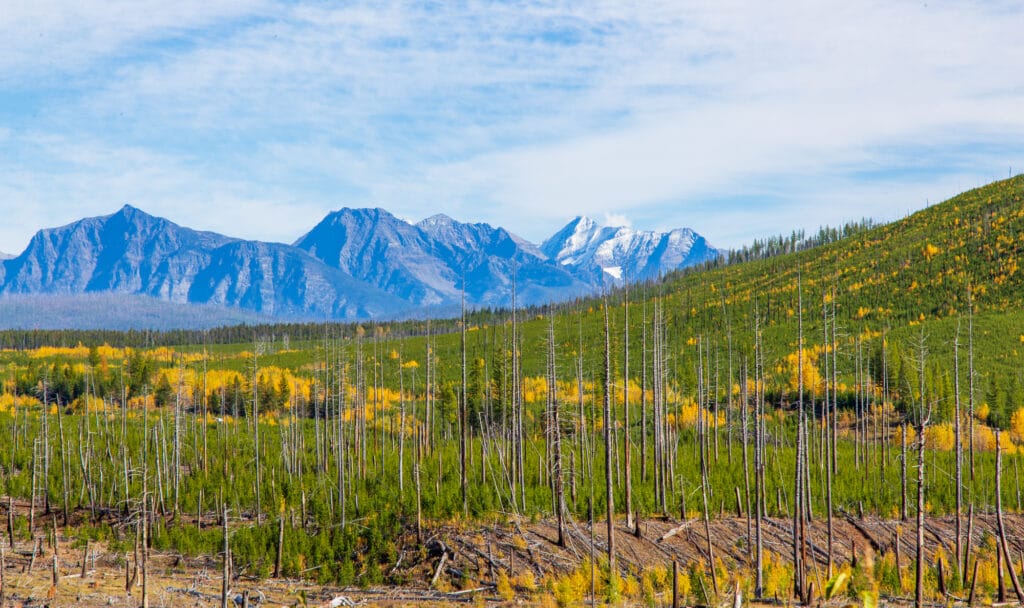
[624, 253]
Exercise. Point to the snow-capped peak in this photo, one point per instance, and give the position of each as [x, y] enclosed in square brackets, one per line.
[571, 239]
[622, 252]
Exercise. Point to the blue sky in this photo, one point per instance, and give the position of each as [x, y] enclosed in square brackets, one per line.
[255, 118]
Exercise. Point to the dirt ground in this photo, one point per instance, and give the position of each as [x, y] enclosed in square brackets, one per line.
[461, 563]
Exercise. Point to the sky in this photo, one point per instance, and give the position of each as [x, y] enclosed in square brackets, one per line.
[742, 120]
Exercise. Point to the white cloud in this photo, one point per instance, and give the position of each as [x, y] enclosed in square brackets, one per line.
[519, 114]
[616, 219]
[47, 36]
[91, 178]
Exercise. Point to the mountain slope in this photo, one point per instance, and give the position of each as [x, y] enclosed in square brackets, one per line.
[912, 278]
[128, 251]
[116, 311]
[377, 247]
[602, 253]
[354, 264]
[425, 263]
[131, 252]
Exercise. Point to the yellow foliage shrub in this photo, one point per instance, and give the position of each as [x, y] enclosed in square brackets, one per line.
[570, 589]
[526, 581]
[985, 439]
[685, 585]
[504, 588]
[897, 437]
[778, 576]
[940, 437]
[1017, 425]
[630, 587]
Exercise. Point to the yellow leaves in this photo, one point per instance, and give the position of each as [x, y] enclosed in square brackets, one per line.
[569, 589]
[985, 439]
[1017, 424]
[107, 351]
[778, 575]
[161, 354]
[43, 352]
[897, 437]
[526, 580]
[9, 403]
[410, 364]
[940, 437]
[690, 412]
[684, 583]
[837, 585]
[813, 381]
[982, 412]
[930, 251]
[504, 587]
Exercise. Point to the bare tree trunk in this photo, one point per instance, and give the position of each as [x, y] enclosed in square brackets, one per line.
[556, 433]
[280, 542]
[145, 551]
[257, 347]
[401, 425]
[419, 492]
[707, 524]
[745, 429]
[463, 422]
[835, 387]
[969, 538]
[919, 581]
[924, 415]
[1000, 528]
[226, 572]
[176, 445]
[903, 473]
[3, 575]
[63, 460]
[960, 564]
[970, 378]
[643, 394]
[798, 476]
[759, 485]
[609, 494]
[626, 444]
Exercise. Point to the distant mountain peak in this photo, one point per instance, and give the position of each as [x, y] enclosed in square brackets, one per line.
[361, 212]
[133, 213]
[355, 263]
[622, 252]
[436, 219]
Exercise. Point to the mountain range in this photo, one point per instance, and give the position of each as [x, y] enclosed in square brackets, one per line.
[354, 264]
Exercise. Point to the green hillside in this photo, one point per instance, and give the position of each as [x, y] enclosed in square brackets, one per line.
[359, 431]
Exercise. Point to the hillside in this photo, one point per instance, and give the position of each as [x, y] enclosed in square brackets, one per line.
[340, 452]
[913, 270]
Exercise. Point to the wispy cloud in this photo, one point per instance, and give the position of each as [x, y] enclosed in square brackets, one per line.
[519, 113]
